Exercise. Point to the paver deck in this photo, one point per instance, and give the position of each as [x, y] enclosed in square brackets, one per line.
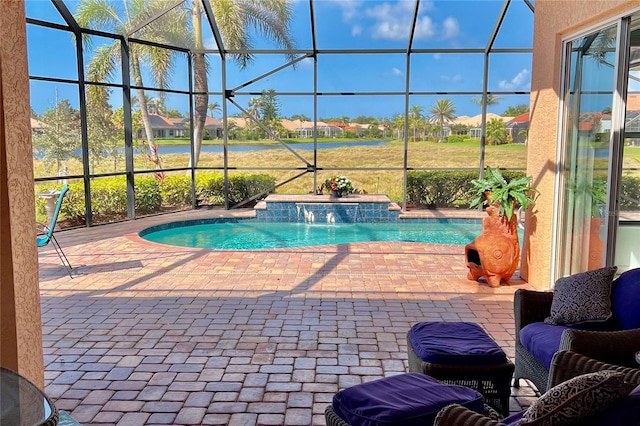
[148, 334]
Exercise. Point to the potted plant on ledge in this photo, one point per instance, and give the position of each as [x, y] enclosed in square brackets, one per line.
[338, 186]
[495, 254]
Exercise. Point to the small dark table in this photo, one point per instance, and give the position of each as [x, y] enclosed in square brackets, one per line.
[22, 403]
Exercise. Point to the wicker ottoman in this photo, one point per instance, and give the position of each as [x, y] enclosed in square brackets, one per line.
[408, 399]
[462, 353]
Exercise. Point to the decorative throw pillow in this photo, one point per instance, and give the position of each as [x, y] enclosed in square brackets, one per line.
[577, 399]
[582, 297]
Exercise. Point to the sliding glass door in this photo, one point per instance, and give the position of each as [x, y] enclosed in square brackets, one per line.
[587, 145]
[627, 247]
[599, 198]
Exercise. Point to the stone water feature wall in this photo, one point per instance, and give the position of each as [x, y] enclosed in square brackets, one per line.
[322, 209]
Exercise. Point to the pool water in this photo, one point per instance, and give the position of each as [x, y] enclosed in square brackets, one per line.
[249, 235]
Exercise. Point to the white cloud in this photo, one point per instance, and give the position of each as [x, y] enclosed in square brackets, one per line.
[453, 79]
[306, 63]
[393, 21]
[349, 8]
[437, 56]
[519, 81]
[424, 28]
[451, 27]
[209, 43]
[396, 71]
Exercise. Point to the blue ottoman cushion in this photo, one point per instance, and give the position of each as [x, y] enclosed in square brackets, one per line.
[455, 343]
[409, 399]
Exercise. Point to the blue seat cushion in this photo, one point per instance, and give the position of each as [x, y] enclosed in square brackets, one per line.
[408, 399]
[542, 340]
[455, 343]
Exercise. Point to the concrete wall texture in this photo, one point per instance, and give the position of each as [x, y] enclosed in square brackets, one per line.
[20, 325]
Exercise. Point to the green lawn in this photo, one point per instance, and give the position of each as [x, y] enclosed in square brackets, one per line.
[185, 141]
[391, 155]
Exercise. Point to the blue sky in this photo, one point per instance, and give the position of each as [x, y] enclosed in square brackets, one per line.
[349, 24]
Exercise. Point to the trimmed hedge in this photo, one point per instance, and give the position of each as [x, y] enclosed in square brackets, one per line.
[109, 195]
[445, 188]
[452, 188]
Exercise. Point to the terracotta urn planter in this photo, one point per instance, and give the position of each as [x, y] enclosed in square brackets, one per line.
[495, 254]
[596, 245]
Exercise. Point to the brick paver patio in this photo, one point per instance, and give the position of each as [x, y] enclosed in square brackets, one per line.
[146, 334]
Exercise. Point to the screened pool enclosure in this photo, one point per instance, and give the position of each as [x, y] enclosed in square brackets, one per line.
[148, 106]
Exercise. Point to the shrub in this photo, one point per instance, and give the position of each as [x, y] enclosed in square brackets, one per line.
[445, 188]
[242, 187]
[148, 197]
[456, 138]
[630, 193]
[210, 189]
[175, 191]
[109, 195]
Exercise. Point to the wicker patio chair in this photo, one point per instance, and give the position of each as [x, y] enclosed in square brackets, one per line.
[614, 347]
[564, 366]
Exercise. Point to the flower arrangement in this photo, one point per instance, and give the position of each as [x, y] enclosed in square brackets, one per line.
[339, 184]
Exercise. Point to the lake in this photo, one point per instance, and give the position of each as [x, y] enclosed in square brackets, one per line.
[185, 149]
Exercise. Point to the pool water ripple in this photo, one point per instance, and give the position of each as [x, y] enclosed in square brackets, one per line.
[252, 235]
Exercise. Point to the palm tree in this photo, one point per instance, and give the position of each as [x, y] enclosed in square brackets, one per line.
[397, 122]
[213, 107]
[443, 110]
[490, 98]
[525, 133]
[238, 21]
[156, 106]
[496, 132]
[415, 114]
[169, 29]
[254, 106]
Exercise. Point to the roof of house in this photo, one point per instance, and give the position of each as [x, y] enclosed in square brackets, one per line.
[299, 124]
[588, 120]
[37, 124]
[519, 119]
[476, 120]
[239, 122]
[160, 122]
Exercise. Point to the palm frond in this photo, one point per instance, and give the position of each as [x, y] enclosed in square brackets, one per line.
[98, 15]
[104, 63]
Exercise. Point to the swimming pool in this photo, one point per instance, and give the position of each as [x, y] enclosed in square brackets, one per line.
[247, 234]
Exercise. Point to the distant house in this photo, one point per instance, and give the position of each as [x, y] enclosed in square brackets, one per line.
[212, 125]
[475, 123]
[516, 125]
[631, 125]
[592, 123]
[165, 128]
[37, 126]
[305, 129]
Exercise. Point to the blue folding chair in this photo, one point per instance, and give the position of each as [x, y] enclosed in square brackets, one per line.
[47, 232]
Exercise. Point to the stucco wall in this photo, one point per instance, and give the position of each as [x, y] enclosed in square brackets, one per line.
[20, 324]
[553, 20]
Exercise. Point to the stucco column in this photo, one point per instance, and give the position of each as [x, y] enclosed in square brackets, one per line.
[20, 317]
